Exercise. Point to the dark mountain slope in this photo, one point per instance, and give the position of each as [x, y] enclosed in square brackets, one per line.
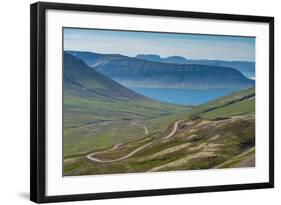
[81, 80]
[94, 59]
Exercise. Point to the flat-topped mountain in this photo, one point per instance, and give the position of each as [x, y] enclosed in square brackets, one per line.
[247, 68]
[157, 58]
[135, 72]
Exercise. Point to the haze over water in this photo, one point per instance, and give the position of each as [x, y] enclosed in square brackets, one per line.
[183, 96]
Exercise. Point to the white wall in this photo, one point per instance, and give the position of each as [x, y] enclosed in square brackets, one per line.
[14, 101]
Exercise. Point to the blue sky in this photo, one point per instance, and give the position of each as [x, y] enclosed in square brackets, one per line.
[190, 46]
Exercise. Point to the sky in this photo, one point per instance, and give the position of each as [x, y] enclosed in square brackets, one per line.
[190, 46]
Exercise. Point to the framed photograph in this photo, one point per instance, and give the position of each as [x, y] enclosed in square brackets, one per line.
[129, 102]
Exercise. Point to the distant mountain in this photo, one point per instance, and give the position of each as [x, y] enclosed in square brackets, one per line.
[81, 80]
[138, 73]
[150, 57]
[157, 58]
[134, 72]
[247, 68]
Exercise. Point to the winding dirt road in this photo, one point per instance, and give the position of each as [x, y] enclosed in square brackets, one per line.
[174, 129]
[146, 130]
[92, 158]
[144, 127]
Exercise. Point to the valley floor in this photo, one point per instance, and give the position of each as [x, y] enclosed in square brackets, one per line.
[219, 134]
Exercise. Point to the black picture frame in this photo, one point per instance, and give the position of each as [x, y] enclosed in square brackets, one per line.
[38, 101]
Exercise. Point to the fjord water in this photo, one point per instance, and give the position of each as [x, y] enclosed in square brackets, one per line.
[183, 96]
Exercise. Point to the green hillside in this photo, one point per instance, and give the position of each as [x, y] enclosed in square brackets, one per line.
[237, 103]
[99, 112]
[218, 134]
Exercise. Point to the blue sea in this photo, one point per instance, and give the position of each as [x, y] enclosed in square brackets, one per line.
[183, 96]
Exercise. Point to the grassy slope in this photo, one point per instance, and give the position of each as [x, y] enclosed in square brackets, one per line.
[91, 124]
[99, 112]
[227, 106]
[224, 130]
